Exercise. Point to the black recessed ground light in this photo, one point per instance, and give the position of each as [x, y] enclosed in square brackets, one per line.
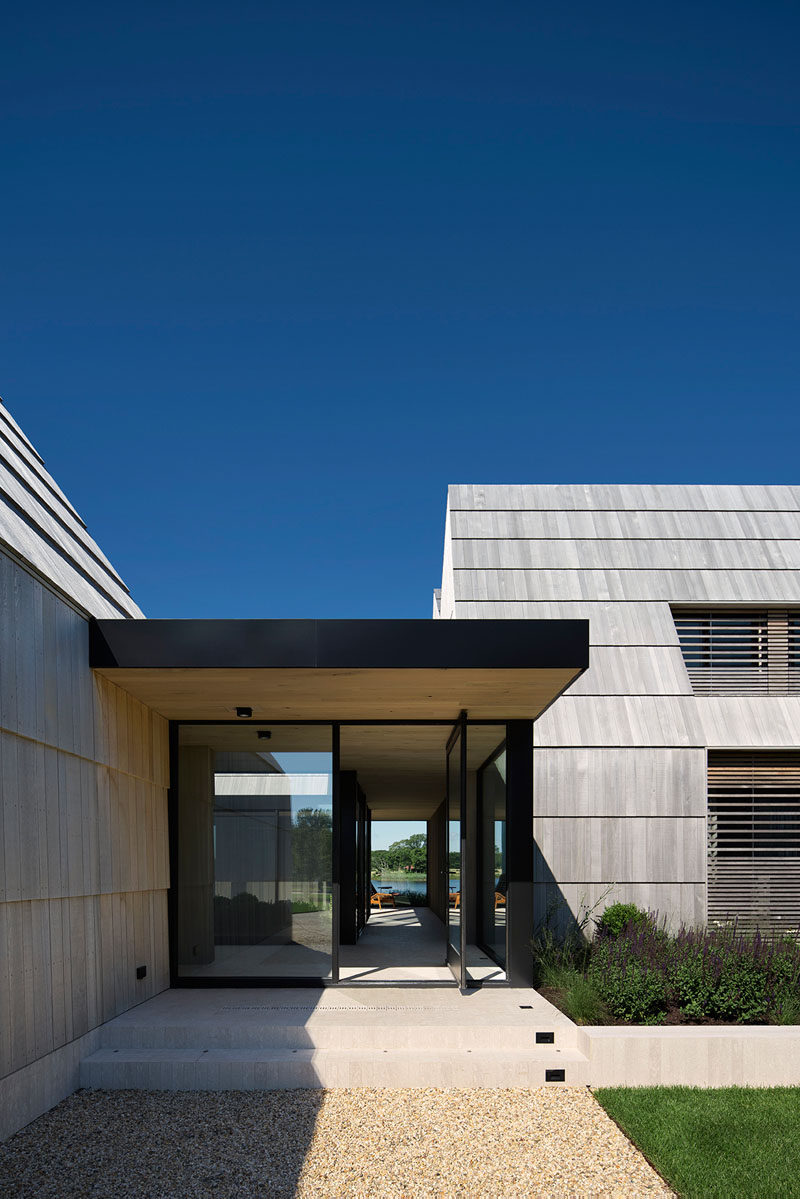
[244, 713]
[264, 734]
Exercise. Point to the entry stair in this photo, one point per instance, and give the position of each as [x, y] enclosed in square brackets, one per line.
[226, 1039]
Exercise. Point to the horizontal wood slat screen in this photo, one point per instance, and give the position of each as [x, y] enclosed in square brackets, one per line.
[753, 651]
[754, 839]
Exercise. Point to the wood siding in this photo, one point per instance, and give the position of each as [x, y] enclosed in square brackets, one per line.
[620, 783]
[84, 850]
[40, 528]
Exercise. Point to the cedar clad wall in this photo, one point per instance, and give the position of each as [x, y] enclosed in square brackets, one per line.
[620, 783]
[83, 811]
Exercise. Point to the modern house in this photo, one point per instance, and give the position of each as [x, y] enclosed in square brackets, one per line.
[188, 803]
[670, 771]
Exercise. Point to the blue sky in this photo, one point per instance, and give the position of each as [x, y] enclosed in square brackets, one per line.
[386, 832]
[273, 275]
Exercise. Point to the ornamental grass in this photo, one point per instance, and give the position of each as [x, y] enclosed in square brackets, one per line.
[642, 973]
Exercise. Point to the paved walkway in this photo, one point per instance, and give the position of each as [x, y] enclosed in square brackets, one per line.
[340, 1144]
[398, 944]
[408, 945]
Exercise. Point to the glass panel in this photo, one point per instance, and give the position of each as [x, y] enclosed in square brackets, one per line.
[494, 884]
[400, 859]
[254, 851]
[359, 864]
[454, 863]
[400, 771]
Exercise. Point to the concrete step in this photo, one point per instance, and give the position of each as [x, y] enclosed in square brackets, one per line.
[337, 1032]
[191, 1069]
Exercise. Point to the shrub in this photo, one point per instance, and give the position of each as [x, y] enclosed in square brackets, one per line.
[787, 1008]
[638, 971]
[786, 983]
[247, 920]
[414, 899]
[618, 916]
[692, 981]
[628, 977]
[723, 974]
[740, 994]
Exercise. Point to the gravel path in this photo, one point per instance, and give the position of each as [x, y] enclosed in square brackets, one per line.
[338, 1144]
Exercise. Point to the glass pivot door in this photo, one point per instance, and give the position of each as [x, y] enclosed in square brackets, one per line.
[456, 852]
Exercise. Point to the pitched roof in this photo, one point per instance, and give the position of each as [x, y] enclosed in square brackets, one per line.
[682, 543]
[39, 526]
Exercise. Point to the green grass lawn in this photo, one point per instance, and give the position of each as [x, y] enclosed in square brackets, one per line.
[397, 876]
[735, 1141]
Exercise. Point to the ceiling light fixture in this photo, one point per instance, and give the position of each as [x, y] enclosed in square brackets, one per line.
[244, 713]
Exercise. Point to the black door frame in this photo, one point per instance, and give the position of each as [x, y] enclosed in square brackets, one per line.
[457, 958]
[520, 916]
[519, 855]
[481, 856]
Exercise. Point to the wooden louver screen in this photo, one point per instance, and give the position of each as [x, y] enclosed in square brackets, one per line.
[731, 651]
[754, 839]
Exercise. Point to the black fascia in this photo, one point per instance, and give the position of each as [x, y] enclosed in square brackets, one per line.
[339, 644]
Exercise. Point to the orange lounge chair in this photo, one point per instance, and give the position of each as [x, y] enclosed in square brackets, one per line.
[378, 898]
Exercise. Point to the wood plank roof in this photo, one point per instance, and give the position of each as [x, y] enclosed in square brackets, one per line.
[40, 527]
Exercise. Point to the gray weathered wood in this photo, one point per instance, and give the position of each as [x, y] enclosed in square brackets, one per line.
[40, 526]
[681, 497]
[620, 776]
[70, 747]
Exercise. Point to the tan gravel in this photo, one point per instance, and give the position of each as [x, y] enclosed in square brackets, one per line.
[338, 1144]
[500, 1143]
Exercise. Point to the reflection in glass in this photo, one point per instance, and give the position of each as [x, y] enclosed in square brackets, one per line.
[254, 851]
[454, 834]
[493, 881]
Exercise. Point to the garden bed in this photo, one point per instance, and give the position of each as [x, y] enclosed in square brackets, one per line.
[672, 1015]
[635, 971]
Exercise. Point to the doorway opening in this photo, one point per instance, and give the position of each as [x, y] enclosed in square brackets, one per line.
[402, 939]
[315, 853]
[422, 882]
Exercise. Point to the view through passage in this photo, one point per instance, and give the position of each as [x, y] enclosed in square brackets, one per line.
[255, 835]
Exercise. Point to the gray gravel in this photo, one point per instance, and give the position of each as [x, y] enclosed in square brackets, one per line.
[348, 1143]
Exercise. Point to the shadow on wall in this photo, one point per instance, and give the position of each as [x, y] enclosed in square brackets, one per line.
[552, 915]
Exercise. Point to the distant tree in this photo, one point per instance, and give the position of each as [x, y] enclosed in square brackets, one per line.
[380, 859]
[312, 830]
[409, 854]
[455, 860]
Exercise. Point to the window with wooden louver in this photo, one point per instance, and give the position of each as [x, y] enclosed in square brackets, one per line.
[738, 651]
[754, 839]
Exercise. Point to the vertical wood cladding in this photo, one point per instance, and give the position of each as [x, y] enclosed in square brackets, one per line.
[84, 849]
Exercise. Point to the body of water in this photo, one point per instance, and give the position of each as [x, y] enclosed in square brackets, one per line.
[417, 886]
